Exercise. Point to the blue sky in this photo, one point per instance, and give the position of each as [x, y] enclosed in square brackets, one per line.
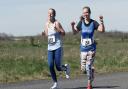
[27, 17]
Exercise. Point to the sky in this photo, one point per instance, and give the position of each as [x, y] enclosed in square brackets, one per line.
[28, 17]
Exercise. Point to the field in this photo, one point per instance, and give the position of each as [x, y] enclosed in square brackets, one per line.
[26, 58]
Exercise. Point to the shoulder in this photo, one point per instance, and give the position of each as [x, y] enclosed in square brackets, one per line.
[96, 24]
[79, 23]
[94, 21]
[57, 23]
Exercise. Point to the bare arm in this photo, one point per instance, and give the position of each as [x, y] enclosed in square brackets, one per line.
[45, 31]
[59, 28]
[74, 28]
[101, 27]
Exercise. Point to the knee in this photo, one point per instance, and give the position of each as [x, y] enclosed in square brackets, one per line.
[88, 67]
[83, 68]
[51, 66]
[83, 65]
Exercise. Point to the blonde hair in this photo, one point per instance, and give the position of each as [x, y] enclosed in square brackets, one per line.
[54, 12]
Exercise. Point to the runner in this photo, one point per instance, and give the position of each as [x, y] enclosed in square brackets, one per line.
[87, 26]
[54, 31]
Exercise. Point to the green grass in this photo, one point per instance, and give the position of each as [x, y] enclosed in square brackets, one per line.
[112, 56]
[19, 64]
[20, 61]
[22, 69]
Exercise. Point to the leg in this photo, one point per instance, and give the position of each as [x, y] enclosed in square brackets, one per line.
[58, 60]
[83, 56]
[51, 65]
[89, 64]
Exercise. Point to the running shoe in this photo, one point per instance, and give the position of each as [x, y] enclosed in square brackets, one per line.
[67, 72]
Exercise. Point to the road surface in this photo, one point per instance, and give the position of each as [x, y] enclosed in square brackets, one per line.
[102, 81]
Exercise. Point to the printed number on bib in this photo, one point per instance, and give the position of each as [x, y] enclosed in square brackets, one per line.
[86, 42]
[51, 39]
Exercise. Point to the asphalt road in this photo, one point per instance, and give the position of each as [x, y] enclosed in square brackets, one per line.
[103, 81]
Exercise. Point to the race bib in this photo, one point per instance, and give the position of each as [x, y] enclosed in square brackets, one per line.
[51, 39]
[86, 42]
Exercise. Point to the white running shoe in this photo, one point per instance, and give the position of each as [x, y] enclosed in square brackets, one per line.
[67, 72]
[55, 86]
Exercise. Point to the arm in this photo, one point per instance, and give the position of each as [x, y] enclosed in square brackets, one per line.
[74, 28]
[59, 28]
[101, 27]
[45, 31]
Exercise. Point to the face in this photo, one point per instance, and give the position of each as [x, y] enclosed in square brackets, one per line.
[86, 13]
[51, 16]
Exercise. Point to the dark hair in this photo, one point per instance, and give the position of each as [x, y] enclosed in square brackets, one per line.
[88, 8]
[54, 12]
[81, 18]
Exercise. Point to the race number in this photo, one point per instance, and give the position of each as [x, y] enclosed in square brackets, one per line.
[86, 42]
[51, 39]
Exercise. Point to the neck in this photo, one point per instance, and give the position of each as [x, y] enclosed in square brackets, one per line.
[87, 20]
[51, 21]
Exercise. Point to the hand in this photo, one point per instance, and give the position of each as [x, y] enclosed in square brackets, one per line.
[101, 18]
[72, 23]
[43, 33]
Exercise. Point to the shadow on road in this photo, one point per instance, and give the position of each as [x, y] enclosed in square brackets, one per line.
[105, 86]
[94, 87]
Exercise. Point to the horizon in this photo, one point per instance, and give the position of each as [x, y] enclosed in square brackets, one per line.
[11, 35]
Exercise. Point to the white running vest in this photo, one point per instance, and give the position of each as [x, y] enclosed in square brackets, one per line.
[54, 38]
